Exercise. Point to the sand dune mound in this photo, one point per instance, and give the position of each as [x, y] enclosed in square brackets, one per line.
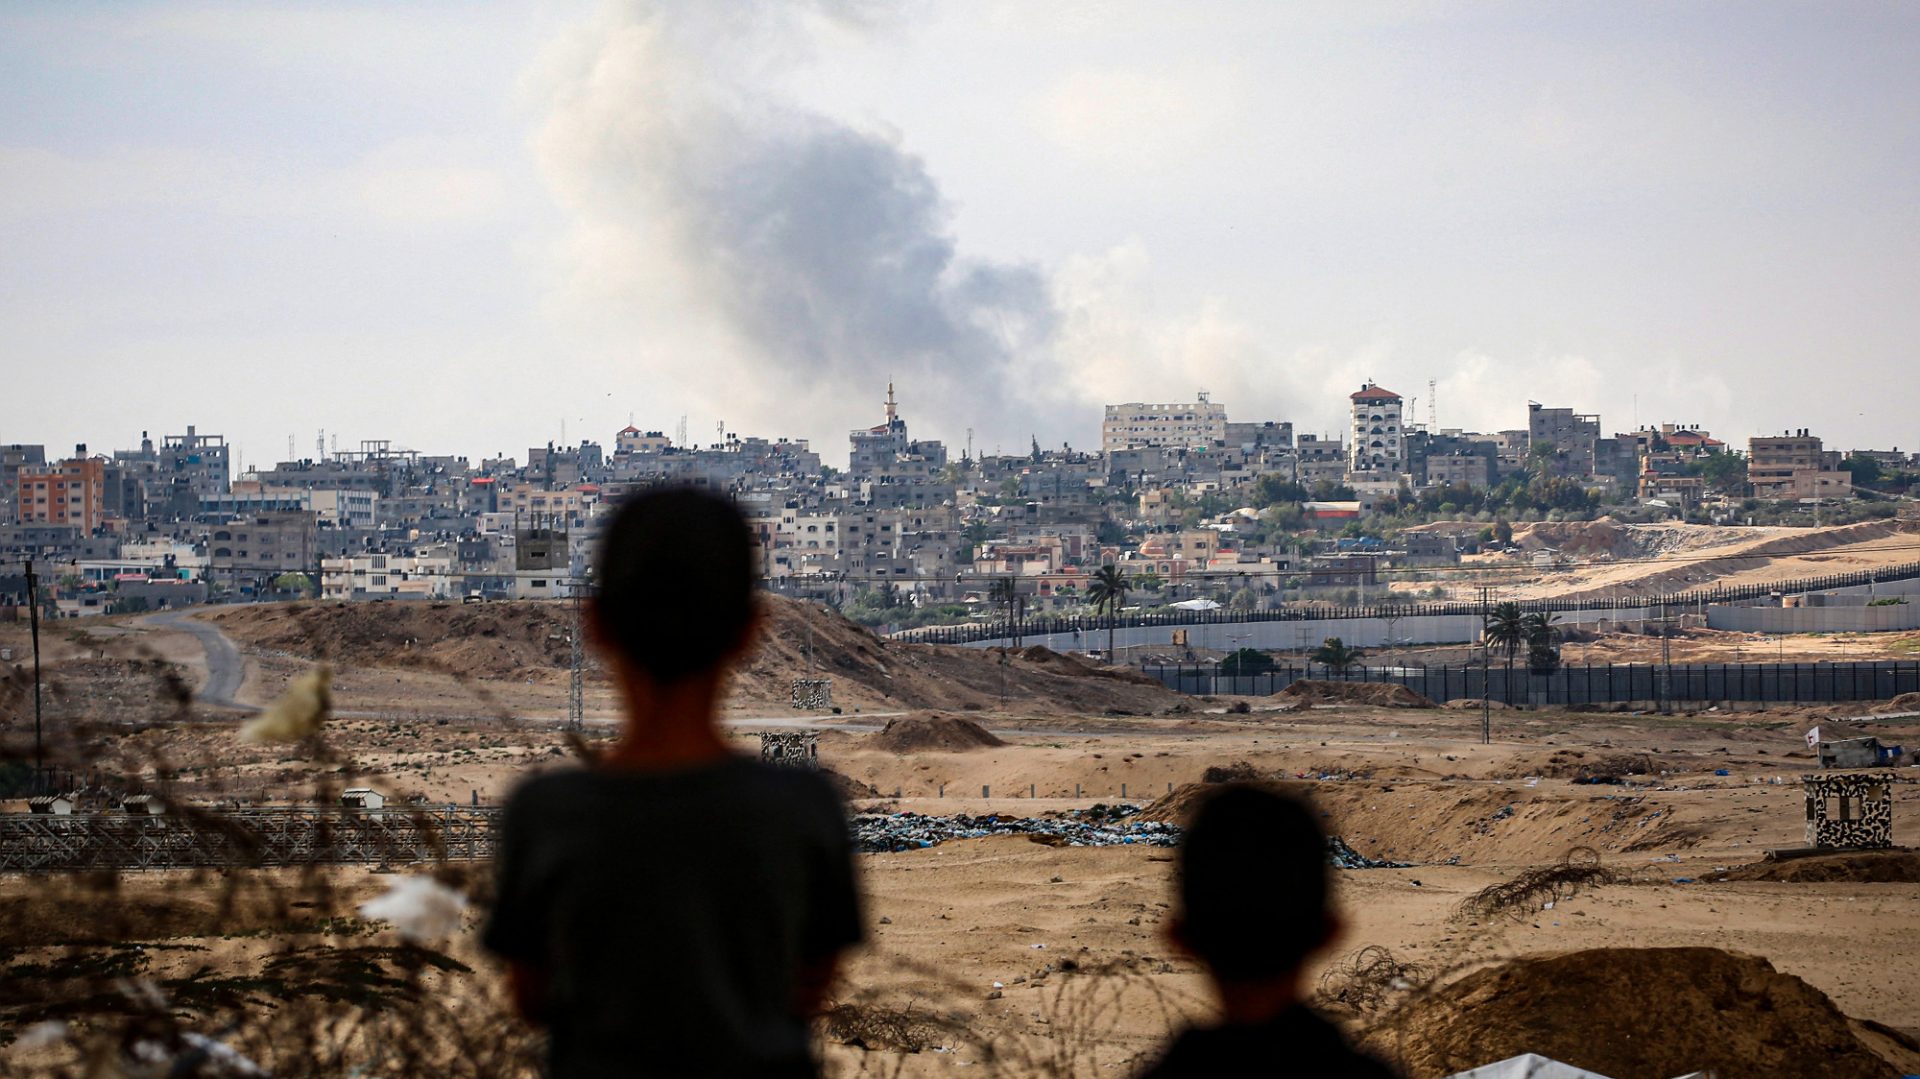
[479, 640]
[1476, 704]
[523, 639]
[803, 639]
[1850, 867]
[1377, 694]
[914, 734]
[1633, 1013]
[1905, 702]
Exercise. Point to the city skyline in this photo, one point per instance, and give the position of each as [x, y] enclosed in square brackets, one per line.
[460, 230]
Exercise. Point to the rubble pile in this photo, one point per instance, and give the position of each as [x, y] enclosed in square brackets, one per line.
[1100, 826]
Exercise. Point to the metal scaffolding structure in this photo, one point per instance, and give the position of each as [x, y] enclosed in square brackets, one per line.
[51, 843]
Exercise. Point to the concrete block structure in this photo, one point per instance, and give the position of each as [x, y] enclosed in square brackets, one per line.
[1849, 811]
[798, 749]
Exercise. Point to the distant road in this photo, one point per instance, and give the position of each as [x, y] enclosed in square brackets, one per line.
[225, 669]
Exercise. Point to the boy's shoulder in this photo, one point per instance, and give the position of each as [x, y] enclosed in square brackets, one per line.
[736, 777]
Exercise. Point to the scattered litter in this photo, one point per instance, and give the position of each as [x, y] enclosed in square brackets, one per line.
[42, 1035]
[421, 909]
[1685, 880]
[881, 833]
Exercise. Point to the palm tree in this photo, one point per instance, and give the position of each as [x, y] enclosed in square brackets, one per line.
[1335, 656]
[1506, 629]
[1107, 589]
[1006, 592]
[1542, 656]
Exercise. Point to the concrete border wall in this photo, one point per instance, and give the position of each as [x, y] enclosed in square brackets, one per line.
[1885, 619]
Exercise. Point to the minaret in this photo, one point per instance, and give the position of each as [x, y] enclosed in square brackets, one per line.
[892, 413]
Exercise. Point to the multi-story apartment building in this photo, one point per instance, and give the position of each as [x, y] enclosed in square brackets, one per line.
[1378, 442]
[1251, 438]
[1179, 426]
[200, 460]
[1794, 465]
[14, 457]
[247, 552]
[1572, 436]
[72, 492]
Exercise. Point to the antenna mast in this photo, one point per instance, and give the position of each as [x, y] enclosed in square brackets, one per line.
[1433, 407]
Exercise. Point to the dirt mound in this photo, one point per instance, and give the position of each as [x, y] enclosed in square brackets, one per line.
[478, 640]
[526, 639]
[1631, 1013]
[1851, 867]
[848, 787]
[1476, 704]
[915, 734]
[1378, 694]
[809, 640]
[1579, 764]
[1905, 702]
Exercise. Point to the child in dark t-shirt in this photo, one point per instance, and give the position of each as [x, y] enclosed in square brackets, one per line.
[676, 909]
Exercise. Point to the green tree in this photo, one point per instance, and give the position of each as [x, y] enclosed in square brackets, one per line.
[1506, 630]
[1502, 531]
[1866, 470]
[292, 582]
[1107, 590]
[1724, 472]
[1274, 488]
[1244, 599]
[1246, 661]
[1335, 656]
[1147, 581]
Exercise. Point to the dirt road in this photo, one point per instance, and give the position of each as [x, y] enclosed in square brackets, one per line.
[226, 671]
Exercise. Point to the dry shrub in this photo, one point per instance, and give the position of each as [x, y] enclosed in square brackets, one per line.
[1364, 982]
[1528, 892]
[881, 1026]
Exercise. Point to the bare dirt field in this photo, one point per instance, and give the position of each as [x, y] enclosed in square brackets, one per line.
[1605, 558]
[1003, 954]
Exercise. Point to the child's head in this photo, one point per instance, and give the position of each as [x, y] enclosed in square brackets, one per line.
[674, 583]
[1253, 885]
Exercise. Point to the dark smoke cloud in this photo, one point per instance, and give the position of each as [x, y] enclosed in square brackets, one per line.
[823, 253]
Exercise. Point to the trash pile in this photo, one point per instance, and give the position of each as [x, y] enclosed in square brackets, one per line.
[1100, 826]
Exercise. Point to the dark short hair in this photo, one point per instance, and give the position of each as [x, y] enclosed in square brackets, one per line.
[674, 581]
[1253, 883]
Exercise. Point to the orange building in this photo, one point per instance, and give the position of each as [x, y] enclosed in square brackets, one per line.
[72, 492]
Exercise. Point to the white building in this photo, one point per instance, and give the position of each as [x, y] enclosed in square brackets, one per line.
[386, 576]
[1137, 426]
[1376, 444]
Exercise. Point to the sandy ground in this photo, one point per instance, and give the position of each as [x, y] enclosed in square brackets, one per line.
[1646, 559]
[1088, 985]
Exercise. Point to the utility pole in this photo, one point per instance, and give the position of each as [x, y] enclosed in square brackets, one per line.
[1666, 656]
[1486, 669]
[576, 682]
[33, 620]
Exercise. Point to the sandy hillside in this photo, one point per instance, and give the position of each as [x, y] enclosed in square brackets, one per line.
[499, 657]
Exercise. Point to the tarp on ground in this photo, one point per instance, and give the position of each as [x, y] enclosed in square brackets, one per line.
[1535, 1066]
[1527, 1066]
[1196, 605]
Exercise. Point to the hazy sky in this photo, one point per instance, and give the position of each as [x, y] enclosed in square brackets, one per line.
[457, 225]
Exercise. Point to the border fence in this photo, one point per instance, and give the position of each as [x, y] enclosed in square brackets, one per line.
[280, 836]
[1033, 627]
[1609, 683]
